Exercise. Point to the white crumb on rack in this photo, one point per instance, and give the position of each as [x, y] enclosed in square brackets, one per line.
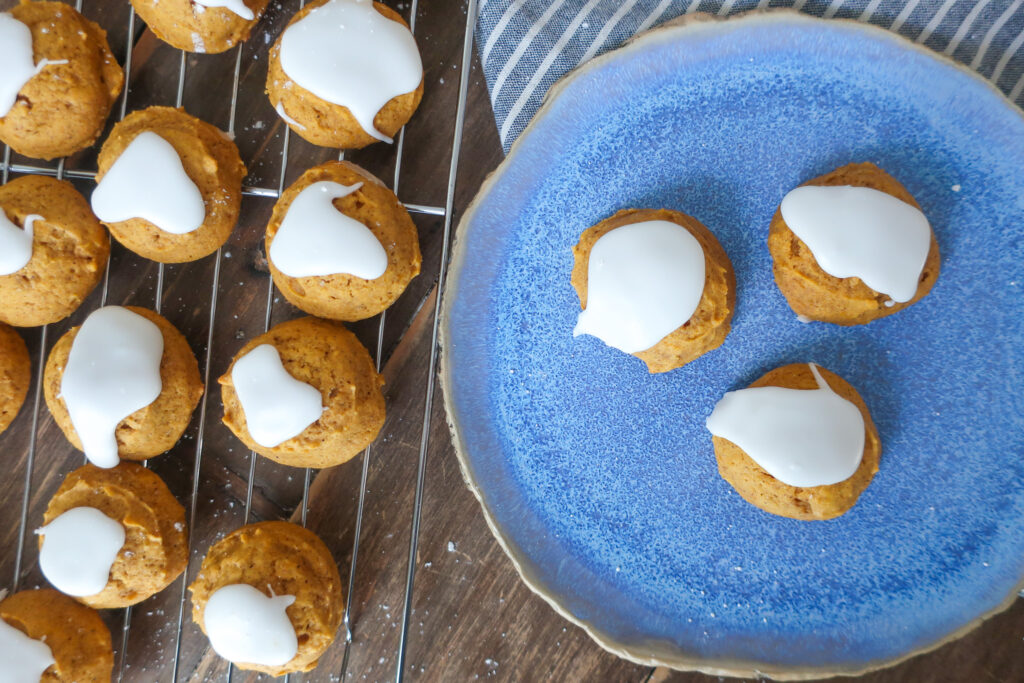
[451, 546]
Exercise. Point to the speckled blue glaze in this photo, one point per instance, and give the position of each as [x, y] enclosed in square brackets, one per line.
[601, 478]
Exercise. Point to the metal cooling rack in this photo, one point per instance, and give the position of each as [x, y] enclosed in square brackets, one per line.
[59, 171]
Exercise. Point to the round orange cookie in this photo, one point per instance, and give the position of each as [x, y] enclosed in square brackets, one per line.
[210, 160]
[342, 296]
[284, 559]
[151, 430]
[324, 123]
[15, 375]
[190, 26]
[708, 326]
[155, 549]
[77, 637]
[63, 108]
[759, 488]
[69, 251]
[813, 293]
[331, 359]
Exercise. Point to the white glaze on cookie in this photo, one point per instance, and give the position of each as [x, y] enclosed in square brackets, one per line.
[287, 119]
[315, 238]
[802, 437]
[113, 370]
[236, 6]
[277, 406]
[16, 60]
[348, 53]
[22, 658]
[148, 181]
[78, 549]
[861, 232]
[16, 243]
[644, 280]
[246, 626]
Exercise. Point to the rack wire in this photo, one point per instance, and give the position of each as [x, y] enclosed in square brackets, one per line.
[446, 212]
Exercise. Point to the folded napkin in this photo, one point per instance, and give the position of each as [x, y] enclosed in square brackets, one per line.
[527, 45]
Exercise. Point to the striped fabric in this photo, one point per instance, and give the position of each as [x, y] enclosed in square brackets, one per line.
[527, 45]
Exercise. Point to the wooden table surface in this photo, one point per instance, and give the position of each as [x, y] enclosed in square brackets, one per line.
[471, 615]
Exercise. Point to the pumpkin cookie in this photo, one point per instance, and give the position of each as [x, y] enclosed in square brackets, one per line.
[170, 185]
[54, 250]
[165, 380]
[310, 392]
[209, 26]
[345, 87]
[356, 258]
[664, 332]
[810, 429]
[866, 250]
[256, 573]
[59, 80]
[154, 544]
[63, 641]
[15, 375]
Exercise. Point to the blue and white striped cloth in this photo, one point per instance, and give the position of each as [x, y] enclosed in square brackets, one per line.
[527, 45]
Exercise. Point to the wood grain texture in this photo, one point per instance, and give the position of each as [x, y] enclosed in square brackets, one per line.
[472, 616]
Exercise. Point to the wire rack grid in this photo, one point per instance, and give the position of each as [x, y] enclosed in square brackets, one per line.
[8, 167]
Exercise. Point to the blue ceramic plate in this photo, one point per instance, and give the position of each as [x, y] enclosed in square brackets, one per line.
[600, 479]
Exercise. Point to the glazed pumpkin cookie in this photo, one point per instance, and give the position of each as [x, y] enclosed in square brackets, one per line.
[340, 245]
[269, 598]
[122, 385]
[113, 537]
[15, 375]
[58, 81]
[53, 250]
[170, 185]
[54, 639]
[345, 73]
[852, 246]
[656, 284]
[210, 26]
[799, 442]
[304, 394]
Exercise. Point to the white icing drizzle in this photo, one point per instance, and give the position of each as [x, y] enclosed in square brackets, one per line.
[236, 6]
[15, 243]
[287, 119]
[861, 232]
[277, 406]
[148, 181]
[349, 54]
[16, 65]
[644, 280]
[802, 437]
[22, 659]
[316, 239]
[78, 549]
[246, 626]
[113, 370]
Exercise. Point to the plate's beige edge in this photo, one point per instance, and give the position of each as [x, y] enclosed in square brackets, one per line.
[656, 653]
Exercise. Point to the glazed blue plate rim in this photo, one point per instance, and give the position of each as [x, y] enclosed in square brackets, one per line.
[658, 653]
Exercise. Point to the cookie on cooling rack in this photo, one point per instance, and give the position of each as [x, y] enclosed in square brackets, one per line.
[340, 245]
[656, 284]
[799, 442]
[58, 80]
[53, 250]
[169, 185]
[269, 598]
[49, 637]
[122, 385]
[113, 537]
[345, 73]
[201, 25]
[852, 246]
[304, 394]
[15, 375]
